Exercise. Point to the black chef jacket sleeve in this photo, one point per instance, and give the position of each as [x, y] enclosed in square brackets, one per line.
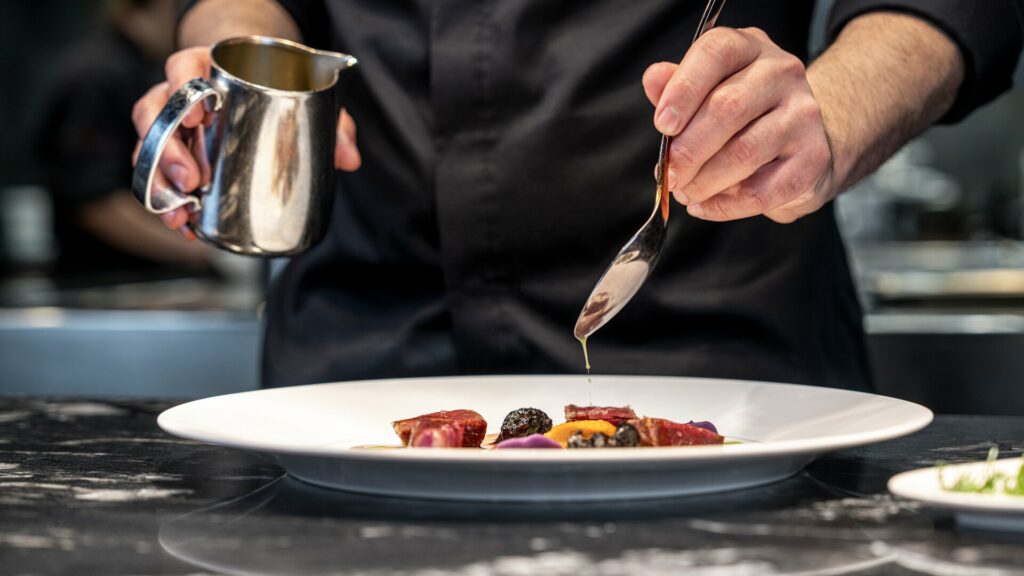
[310, 16]
[988, 32]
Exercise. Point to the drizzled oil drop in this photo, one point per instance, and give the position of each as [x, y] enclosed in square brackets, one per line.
[586, 357]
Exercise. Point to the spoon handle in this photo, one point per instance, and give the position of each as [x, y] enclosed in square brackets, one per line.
[707, 22]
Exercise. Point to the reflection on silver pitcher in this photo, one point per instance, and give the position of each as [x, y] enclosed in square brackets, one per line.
[267, 157]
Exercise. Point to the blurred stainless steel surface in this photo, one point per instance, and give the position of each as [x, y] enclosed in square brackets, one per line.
[946, 322]
[127, 352]
[941, 275]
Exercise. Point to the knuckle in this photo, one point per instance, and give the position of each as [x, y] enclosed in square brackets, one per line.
[714, 210]
[745, 150]
[726, 103]
[650, 71]
[684, 155]
[137, 112]
[810, 111]
[172, 62]
[790, 65]
[782, 216]
[683, 89]
[761, 198]
[756, 33]
[790, 187]
[720, 44]
[819, 154]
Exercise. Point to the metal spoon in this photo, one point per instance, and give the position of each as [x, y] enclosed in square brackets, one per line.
[634, 262]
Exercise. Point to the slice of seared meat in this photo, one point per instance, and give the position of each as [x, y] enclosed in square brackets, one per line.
[471, 425]
[436, 434]
[661, 432]
[612, 414]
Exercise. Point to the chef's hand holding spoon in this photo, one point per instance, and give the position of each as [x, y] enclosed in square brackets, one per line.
[756, 133]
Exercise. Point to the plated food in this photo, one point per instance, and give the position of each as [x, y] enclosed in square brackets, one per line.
[584, 427]
[986, 480]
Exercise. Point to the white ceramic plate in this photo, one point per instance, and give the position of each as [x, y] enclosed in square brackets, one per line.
[983, 511]
[311, 431]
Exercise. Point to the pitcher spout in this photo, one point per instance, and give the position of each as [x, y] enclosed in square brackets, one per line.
[333, 61]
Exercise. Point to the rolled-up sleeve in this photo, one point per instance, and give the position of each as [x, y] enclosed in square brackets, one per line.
[990, 34]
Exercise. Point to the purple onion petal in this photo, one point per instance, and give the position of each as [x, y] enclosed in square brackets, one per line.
[705, 425]
[531, 441]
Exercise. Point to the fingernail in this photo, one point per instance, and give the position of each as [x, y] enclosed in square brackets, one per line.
[672, 180]
[681, 197]
[668, 121]
[695, 210]
[178, 175]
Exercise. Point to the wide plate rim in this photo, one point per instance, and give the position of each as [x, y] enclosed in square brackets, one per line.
[922, 417]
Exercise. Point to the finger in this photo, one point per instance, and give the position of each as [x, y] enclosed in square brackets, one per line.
[183, 66]
[175, 219]
[755, 145]
[346, 154]
[655, 79]
[770, 187]
[718, 54]
[176, 162]
[729, 109]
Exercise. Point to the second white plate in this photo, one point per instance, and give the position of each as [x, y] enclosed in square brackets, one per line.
[984, 511]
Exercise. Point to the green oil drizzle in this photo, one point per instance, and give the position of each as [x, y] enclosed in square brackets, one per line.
[586, 357]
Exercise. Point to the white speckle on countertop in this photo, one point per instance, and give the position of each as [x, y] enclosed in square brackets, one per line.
[14, 416]
[62, 538]
[649, 562]
[926, 564]
[539, 544]
[965, 448]
[35, 485]
[120, 440]
[121, 495]
[371, 532]
[27, 541]
[73, 409]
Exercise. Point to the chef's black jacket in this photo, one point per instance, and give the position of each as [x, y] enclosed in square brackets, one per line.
[508, 151]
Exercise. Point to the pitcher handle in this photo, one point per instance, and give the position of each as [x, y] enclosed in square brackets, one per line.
[164, 199]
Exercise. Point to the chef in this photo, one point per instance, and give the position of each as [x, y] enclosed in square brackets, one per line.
[505, 152]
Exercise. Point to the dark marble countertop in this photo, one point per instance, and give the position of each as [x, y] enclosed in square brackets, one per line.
[94, 487]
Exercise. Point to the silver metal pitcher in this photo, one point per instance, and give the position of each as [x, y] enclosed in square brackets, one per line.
[267, 157]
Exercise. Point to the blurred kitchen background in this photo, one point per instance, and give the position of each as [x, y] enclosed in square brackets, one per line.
[936, 237]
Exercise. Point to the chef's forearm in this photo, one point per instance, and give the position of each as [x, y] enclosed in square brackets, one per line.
[885, 79]
[210, 21]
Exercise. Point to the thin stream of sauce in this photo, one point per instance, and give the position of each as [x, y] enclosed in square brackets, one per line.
[586, 357]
